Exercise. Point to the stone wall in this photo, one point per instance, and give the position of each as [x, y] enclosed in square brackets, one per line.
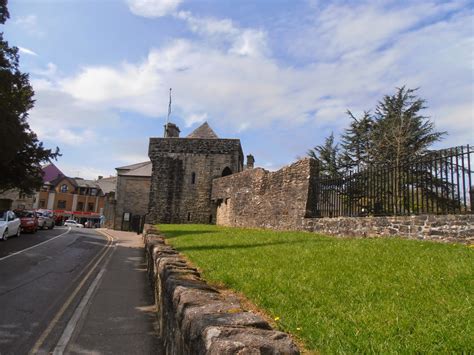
[195, 318]
[447, 228]
[183, 170]
[259, 198]
[286, 199]
[132, 196]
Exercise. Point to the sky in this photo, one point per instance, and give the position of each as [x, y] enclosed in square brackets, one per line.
[278, 75]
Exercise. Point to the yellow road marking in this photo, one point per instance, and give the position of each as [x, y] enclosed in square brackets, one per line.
[59, 314]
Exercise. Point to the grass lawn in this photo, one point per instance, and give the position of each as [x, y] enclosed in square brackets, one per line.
[343, 295]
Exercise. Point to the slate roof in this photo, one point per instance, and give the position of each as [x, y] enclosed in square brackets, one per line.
[107, 184]
[144, 170]
[51, 172]
[133, 166]
[204, 131]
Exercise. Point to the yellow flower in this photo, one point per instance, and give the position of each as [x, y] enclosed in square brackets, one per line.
[298, 328]
[277, 319]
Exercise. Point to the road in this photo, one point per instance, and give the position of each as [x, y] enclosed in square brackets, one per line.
[44, 277]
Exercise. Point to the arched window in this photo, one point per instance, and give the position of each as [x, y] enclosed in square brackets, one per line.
[193, 178]
[226, 171]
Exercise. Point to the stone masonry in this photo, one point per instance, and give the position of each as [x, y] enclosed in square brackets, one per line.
[182, 175]
[286, 200]
[259, 198]
[195, 318]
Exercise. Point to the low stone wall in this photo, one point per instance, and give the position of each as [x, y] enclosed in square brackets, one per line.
[194, 318]
[446, 228]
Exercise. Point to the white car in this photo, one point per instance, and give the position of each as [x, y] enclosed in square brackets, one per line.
[10, 225]
[73, 223]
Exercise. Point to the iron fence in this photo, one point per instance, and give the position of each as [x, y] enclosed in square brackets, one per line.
[440, 182]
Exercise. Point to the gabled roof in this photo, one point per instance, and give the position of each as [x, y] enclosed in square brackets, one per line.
[144, 170]
[204, 131]
[51, 172]
[133, 166]
[107, 184]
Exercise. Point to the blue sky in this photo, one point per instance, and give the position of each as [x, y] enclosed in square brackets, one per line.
[277, 74]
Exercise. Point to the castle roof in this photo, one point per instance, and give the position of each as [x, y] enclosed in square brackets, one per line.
[204, 131]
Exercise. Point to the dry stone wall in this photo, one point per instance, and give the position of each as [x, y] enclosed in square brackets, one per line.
[194, 318]
[449, 228]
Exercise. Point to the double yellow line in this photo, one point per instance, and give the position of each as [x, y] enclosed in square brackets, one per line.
[94, 262]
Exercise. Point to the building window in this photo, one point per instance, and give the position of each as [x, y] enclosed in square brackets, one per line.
[90, 207]
[61, 204]
[193, 178]
[42, 203]
[93, 192]
[63, 188]
[80, 206]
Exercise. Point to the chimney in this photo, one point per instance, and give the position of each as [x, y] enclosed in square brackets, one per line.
[171, 130]
[250, 161]
[99, 177]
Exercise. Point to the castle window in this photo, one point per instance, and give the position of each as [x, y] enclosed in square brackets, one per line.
[189, 216]
[226, 171]
[193, 178]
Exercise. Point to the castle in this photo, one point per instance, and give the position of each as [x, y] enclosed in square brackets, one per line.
[175, 185]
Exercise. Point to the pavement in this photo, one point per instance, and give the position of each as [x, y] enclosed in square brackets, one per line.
[76, 291]
[119, 317]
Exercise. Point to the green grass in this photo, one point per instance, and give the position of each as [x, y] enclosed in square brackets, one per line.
[344, 295]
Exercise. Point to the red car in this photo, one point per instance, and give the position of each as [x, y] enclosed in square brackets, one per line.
[29, 221]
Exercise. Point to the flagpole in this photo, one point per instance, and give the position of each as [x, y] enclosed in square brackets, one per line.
[168, 117]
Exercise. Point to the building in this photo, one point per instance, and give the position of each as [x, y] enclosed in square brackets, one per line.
[75, 198]
[183, 170]
[130, 201]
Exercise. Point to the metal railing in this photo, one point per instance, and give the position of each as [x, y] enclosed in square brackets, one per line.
[440, 182]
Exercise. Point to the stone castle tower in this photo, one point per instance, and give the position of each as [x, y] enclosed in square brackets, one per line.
[183, 170]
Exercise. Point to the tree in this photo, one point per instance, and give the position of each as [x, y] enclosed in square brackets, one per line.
[21, 151]
[400, 131]
[328, 156]
[357, 141]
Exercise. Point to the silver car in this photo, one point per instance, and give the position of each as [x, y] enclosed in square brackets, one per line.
[45, 220]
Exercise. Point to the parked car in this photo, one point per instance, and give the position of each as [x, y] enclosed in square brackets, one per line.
[29, 221]
[45, 219]
[10, 225]
[73, 223]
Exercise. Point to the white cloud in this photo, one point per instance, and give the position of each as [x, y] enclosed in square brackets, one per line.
[153, 8]
[27, 51]
[82, 170]
[229, 76]
[242, 41]
[29, 24]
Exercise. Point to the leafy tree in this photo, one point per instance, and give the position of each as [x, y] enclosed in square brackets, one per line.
[21, 152]
[328, 156]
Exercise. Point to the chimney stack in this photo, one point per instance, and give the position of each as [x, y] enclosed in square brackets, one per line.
[250, 161]
[171, 130]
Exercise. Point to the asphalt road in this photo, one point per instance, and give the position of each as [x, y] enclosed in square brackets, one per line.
[43, 278]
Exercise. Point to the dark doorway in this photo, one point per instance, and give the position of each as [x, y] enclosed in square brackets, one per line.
[226, 171]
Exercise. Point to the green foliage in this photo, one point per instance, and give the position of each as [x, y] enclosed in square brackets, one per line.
[344, 295]
[327, 155]
[396, 132]
[21, 152]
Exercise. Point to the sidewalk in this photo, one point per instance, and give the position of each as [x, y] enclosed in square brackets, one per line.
[120, 317]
